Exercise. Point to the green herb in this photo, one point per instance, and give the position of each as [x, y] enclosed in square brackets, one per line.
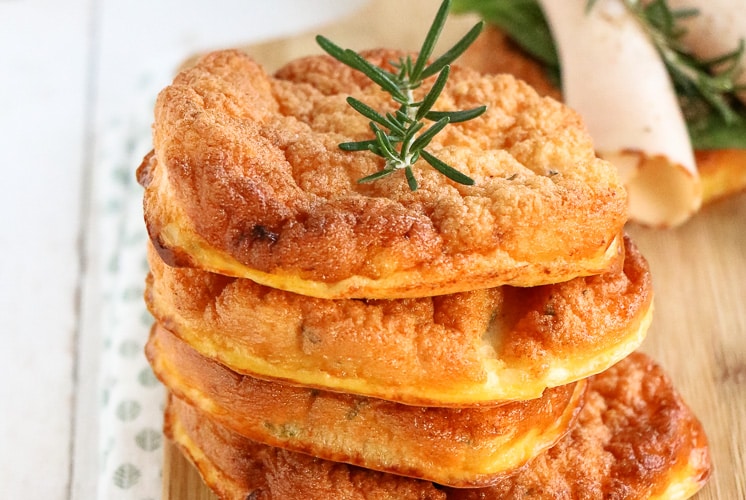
[524, 23]
[706, 89]
[710, 130]
[401, 137]
[522, 20]
[710, 83]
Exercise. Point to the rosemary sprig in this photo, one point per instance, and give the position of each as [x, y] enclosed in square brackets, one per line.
[399, 137]
[699, 83]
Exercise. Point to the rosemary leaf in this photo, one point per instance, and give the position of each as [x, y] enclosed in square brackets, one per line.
[454, 53]
[457, 116]
[403, 117]
[384, 142]
[331, 48]
[380, 76]
[409, 136]
[372, 114]
[357, 146]
[424, 140]
[430, 39]
[433, 94]
[411, 181]
[375, 176]
[447, 170]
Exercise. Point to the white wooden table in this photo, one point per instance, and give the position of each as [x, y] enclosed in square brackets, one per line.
[72, 74]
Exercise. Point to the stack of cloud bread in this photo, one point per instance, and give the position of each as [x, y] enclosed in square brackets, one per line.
[322, 338]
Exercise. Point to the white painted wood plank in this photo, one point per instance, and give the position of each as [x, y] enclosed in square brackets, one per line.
[42, 103]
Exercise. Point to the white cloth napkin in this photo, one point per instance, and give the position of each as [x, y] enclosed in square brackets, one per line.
[131, 398]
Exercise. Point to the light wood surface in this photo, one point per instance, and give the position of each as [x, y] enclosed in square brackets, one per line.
[699, 271]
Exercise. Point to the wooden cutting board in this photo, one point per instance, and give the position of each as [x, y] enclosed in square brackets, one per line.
[699, 272]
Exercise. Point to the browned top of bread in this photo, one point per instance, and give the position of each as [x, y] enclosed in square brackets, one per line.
[476, 347]
[460, 447]
[247, 179]
[635, 439]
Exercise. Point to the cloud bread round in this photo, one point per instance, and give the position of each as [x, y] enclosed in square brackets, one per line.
[459, 447]
[247, 179]
[478, 347]
[635, 439]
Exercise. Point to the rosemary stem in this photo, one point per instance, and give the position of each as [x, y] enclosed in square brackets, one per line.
[396, 139]
[411, 112]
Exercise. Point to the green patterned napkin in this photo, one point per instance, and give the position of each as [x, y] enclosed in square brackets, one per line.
[131, 398]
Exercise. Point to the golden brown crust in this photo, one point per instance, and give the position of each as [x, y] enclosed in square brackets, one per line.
[237, 468]
[635, 439]
[453, 350]
[723, 173]
[247, 177]
[460, 447]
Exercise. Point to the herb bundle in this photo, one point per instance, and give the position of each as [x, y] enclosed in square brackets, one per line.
[705, 88]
